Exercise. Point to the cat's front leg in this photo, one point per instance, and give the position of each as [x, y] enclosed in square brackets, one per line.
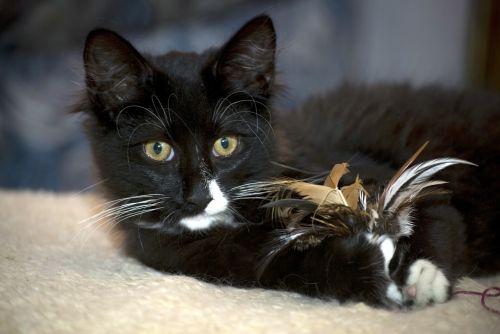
[426, 284]
[421, 281]
[423, 284]
[348, 269]
[427, 264]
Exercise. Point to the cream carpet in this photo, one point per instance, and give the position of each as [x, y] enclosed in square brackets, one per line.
[59, 276]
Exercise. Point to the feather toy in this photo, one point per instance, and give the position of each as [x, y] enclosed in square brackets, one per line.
[310, 212]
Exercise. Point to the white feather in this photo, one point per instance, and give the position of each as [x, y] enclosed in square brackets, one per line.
[405, 221]
[414, 178]
[409, 193]
[362, 200]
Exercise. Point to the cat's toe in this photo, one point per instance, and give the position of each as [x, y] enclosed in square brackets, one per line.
[426, 284]
[394, 294]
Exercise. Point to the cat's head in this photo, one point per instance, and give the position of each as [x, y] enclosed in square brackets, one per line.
[172, 135]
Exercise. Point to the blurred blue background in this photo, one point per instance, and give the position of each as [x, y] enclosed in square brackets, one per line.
[321, 44]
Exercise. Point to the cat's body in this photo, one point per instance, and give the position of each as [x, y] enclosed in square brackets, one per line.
[377, 128]
[211, 115]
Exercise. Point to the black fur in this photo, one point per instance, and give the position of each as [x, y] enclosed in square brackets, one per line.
[189, 100]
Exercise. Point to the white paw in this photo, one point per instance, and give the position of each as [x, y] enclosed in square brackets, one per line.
[426, 284]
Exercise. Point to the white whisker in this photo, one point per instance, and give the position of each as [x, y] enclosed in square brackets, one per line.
[118, 210]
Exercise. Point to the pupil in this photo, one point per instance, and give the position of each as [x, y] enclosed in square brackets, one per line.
[157, 148]
[224, 142]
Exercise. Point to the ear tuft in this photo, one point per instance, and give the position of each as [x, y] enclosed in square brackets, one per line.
[247, 61]
[115, 71]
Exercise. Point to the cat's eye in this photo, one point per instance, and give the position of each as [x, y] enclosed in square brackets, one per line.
[159, 150]
[225, 146]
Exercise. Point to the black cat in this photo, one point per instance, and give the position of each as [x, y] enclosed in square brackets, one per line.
[174, 137]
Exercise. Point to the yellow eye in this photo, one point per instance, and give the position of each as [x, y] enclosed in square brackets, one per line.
[158, 150]
[225, 146]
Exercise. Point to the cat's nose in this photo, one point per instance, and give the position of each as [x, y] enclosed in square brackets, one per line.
[197, 202]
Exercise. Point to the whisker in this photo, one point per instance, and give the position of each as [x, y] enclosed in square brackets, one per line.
[153, 99]
[303, 171]
[111, 202]
[117, 217]
[191, 132]
[218, 107]
[92, 186]
[117, 221]
[123, 210]
[257, 116]
[117, 214]
[219, 112]
[149, 111]
[110, 206]
[168, 106]
[167, 218]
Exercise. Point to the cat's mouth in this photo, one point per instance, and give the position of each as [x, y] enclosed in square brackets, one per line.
[215, 213]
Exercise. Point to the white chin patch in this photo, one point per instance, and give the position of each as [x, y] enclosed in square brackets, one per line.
[214, 213]
[203, 221]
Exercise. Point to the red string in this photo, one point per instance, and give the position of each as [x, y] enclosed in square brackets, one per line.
[484, 294]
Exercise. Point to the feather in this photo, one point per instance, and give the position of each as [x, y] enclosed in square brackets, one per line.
[276, 246]
[412, 192]
[400, 171]
[405, 221]
[397, 206]
[363, 200]
[317, 193]
[413, 180]
[310, 212]
[352, 193]
[336, 174]
[292, 203]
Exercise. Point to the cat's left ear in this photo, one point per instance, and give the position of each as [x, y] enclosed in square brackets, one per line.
[247, 61]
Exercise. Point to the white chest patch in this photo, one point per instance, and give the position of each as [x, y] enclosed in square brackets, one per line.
[386, 246]
[215, 212]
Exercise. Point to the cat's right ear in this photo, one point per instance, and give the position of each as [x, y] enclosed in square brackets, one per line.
[115, 71]
[247, 61]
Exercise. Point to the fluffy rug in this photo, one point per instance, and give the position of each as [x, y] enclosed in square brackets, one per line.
[59, 275]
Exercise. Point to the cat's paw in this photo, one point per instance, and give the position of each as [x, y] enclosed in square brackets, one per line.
[426, 284]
